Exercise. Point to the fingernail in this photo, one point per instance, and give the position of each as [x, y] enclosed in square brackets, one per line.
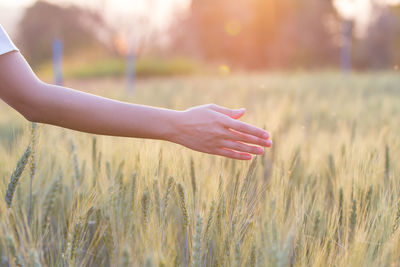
[260, 150]
[247, 157]
[266, 135]
[269, 143]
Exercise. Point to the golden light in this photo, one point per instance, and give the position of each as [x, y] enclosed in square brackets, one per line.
[224, 70]
[233, 27]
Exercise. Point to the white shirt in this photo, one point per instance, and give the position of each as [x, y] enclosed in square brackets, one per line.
[6, 45]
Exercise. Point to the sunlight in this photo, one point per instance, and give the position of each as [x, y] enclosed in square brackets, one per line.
[347, 8]
[353, 9]
[15, 3]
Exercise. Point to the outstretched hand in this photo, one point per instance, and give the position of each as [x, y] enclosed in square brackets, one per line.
[210, 128]
[215, 130]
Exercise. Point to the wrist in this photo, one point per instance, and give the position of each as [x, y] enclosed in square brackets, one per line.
[172, 127]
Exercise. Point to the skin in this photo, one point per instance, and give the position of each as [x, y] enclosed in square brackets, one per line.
[209, 128]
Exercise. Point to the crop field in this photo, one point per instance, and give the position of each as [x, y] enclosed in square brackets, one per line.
[326, 194]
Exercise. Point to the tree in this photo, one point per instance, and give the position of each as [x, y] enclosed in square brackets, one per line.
[378, 48]
[309, 36]
[43, 21]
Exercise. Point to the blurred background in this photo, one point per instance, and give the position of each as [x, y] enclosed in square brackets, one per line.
[180, 37]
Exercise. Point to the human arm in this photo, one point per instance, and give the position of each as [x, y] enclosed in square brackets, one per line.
[210, 128]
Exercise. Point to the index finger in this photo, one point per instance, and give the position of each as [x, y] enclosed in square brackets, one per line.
[246, 128]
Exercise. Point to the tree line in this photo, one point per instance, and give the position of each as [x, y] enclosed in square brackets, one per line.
[259, 34]
[246, 34]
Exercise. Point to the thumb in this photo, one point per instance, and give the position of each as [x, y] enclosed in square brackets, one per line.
[233, 113]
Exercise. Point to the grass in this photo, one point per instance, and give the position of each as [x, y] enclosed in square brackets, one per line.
[78, 68]
[326, 194]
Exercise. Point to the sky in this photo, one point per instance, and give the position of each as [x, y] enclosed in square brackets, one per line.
[162, 11]
[361, 11]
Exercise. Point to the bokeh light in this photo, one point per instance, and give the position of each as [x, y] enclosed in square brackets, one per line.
[233, 27]
[224, 70]
[120, 44]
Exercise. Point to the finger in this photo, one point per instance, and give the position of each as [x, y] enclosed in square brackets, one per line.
[246, 128]
[233, 154]
[233, 113]
[241, 147]
[250, 139]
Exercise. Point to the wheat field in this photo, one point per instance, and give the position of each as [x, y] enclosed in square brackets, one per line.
[326, 194]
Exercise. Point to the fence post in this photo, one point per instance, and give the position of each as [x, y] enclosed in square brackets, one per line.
[57, 61]
[130, 71]
[346, 43]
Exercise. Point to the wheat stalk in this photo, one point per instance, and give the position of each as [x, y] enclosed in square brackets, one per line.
[197, 242]
[160, 159]
[133, 192]
[94, 157]
[246, 182]
[34, 257]
[183, 205]
[125, 258]
[353, 220]
[166, 197]
[193, 178]
[157, 199]
[387, 164]
[182, 202]
[108, 170]
[340, 220]
[16, 175]
[209, 221]
[145, 208]
[75, 240]
[32, 168]
[12, 251]
[49, 200]
[76, 163]
[238, 254]
[252, 259]
[109, 241]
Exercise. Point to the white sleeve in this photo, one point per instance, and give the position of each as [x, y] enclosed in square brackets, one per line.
[6, 45]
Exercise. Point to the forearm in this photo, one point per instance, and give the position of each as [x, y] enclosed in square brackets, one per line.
[209, 128]
[72, 109]
[84, 112]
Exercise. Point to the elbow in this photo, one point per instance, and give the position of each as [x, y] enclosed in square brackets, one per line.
[31, 116]
[27, 109]
[29, 112]
[30, 109]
